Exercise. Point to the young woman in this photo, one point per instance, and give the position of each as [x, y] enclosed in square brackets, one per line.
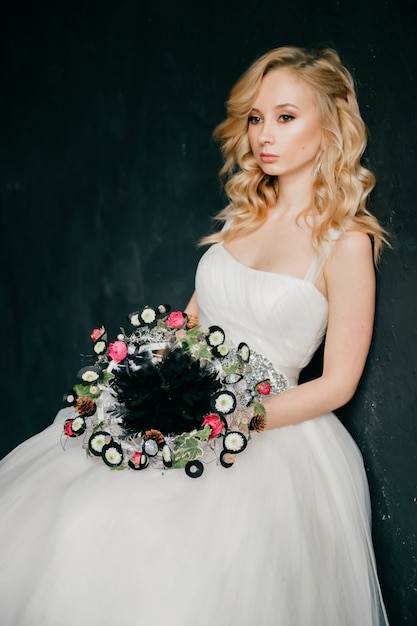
[284, 536]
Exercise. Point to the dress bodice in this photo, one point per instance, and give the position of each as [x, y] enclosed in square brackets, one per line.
[282, 317]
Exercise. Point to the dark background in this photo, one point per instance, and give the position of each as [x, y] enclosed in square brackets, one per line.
[109, 178]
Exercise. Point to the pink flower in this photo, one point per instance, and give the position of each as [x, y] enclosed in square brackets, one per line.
[118, 351]
[263, 388]
[136, 457]
[175, 319]
[97, 333]
[215, 423]
[68, 428]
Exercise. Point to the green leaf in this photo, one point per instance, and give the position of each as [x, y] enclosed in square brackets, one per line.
[84, 390]
[202, 351]
[180, 463]
[187, 447]
[106, 378]
[194, 342]
[99, 426]
[231, 369]
[193, 333]
[204, 433]
[258, 407]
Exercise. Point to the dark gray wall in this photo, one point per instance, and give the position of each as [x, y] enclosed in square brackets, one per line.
[108, 178]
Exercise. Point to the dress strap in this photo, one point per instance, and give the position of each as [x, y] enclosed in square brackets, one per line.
[319, 260]
[315, 267]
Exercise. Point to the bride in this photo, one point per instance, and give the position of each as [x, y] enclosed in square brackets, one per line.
[282, 537]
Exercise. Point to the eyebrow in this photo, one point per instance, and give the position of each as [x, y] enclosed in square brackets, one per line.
[285, 105]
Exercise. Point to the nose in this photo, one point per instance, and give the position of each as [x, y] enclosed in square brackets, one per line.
[266, 136]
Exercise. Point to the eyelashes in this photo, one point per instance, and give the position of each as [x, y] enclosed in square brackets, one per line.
[284, 118]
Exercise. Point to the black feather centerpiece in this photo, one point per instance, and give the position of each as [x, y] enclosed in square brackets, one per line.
[171, 395]
[168, 394]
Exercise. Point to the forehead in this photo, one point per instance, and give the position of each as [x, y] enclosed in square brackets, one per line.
[283, 86]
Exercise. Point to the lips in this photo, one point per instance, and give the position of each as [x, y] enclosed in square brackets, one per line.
[268, 158]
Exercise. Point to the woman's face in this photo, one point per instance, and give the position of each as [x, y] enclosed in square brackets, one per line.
[284, 129]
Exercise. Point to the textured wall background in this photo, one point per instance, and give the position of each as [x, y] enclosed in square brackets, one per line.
[108, 178]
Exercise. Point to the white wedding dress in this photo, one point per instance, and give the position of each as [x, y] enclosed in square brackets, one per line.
[282, 538]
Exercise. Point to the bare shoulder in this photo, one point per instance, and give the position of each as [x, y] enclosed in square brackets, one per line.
[353, 247]
[350, 264]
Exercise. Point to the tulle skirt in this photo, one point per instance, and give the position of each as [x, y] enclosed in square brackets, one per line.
[281, 538]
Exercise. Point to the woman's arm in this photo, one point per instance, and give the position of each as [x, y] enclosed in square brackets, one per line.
[192, 306]
[350, 282]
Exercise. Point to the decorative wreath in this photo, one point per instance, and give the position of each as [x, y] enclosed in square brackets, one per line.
[169, 395]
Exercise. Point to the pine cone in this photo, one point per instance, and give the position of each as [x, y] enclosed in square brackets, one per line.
[154, 434]
[85, 406]
[258, 423]
[192, 321]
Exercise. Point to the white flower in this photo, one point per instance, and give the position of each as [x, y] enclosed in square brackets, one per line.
[223, 349]
[148, 315]
[98, 442]
[224, 403]
[90, 376]
[216, 338]
[167, 454]
[134, 320]
[244, 352]
[99, 347]
[120, 337]
[113, 456]
[234, 441]
[78, 423]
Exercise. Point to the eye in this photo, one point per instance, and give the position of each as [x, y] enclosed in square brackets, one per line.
[254, 119]
[285, 117]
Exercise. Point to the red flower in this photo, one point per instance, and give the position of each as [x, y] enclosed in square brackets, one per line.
[97, 333]
[118, 351]
[136, 457]
[215, 423]
[68, 429]
[175, 319]
[263, 388]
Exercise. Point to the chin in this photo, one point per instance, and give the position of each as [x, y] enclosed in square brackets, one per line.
[270, 171]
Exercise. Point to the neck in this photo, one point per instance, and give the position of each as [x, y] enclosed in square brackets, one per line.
[294, 195]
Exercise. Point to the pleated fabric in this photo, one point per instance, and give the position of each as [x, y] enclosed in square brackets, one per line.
[282, 538]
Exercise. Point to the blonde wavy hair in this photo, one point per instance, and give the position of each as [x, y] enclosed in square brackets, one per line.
[342, 184]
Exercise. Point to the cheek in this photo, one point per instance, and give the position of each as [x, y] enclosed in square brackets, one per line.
[251, 137]
[310, 140]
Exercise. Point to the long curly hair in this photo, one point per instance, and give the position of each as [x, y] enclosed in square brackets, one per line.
[342, 184]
